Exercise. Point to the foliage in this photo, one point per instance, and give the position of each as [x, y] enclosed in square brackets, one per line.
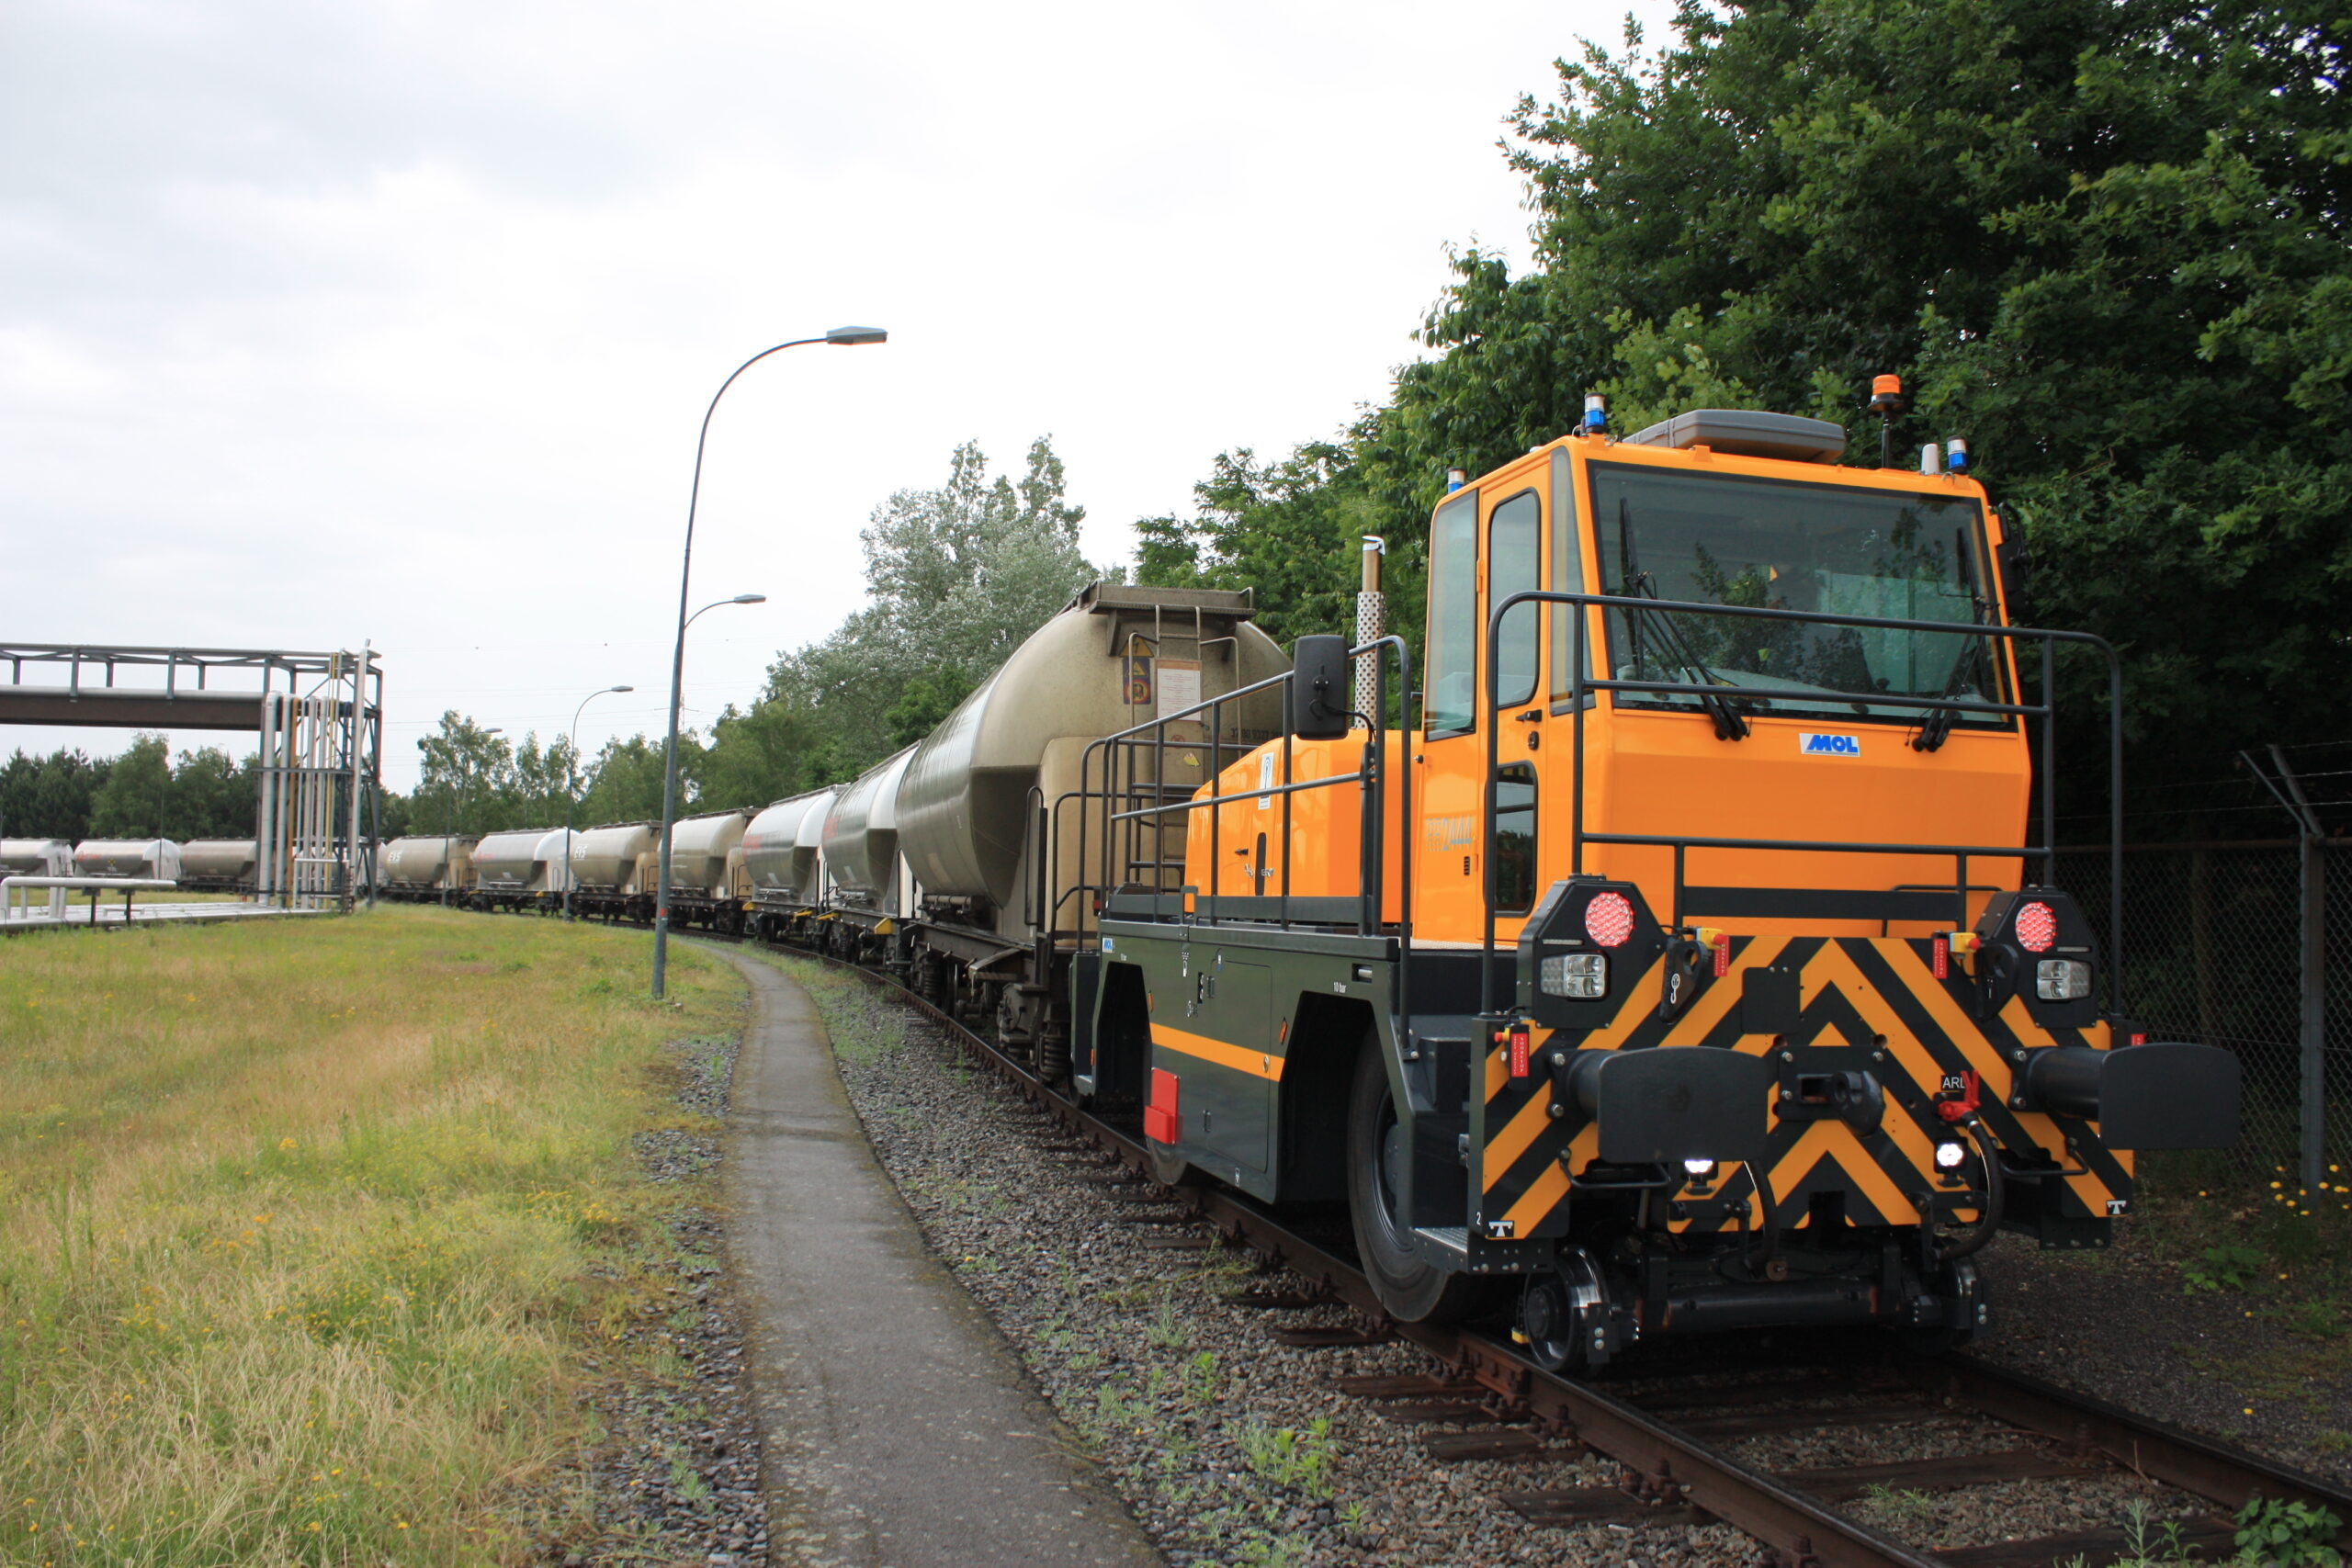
[2106, 242]
[1289, 1457]
[474, 782]
[957, 578]
[139, 794]
[2273, 1533]
[2223, 1268]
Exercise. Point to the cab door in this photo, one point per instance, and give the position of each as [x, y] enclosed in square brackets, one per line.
[1482, 550]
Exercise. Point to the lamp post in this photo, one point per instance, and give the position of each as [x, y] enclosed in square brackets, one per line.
[846, 337]
[458, 811]
[571, 786]
[669, 802]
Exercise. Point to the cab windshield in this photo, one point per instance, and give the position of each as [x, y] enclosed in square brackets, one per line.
[1776, 543]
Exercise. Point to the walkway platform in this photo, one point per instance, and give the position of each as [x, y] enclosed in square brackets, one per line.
[898, 1428]
[110, 913]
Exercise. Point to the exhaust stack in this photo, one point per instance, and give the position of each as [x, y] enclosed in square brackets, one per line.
[1371, 621]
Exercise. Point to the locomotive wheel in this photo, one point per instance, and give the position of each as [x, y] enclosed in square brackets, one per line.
[1412, 1290]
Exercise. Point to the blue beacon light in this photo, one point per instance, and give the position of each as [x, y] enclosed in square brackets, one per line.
[1596, 414]
[1955, 456]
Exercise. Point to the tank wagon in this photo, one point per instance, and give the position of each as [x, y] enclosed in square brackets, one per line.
[861, 845]
[989, 816]
[423, 869]
[158, 859]
[36, 857]
[512, 869]
[1671, 946]
[613, 871]
[783, 866]
[707, 880]
[218, 866]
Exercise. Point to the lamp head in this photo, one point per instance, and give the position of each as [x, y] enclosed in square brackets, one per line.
[620, 688]
[850, 336]
[749, 599]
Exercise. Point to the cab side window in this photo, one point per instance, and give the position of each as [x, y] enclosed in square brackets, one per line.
[1452, 680]
[1567, 576]
[1513, 539]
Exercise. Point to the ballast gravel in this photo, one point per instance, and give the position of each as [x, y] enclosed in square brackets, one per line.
[1232, 1448]
[677, 1481]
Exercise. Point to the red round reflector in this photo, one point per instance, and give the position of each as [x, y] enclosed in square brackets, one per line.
[2037, 928]
[1608, 918]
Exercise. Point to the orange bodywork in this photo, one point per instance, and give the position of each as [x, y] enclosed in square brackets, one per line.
[1646, 770]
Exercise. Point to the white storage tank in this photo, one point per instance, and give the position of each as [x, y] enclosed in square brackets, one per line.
[862, 836]
[966, 817]
[422, 862]
[605, 859]
[783, 849]
[219, 860]
[698, 850]
[511, 862]
[36, 857]
[156, 859]
[554, 856]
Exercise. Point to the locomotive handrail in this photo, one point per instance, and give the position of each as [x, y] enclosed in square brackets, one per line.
[1370, 775]
[1580, 685]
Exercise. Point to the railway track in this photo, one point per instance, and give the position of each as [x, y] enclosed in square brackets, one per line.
[1666, 1435]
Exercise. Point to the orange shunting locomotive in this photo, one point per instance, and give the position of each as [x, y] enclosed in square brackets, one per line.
[1683, 953]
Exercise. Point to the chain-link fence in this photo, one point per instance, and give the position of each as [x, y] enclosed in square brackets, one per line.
[2214, 944]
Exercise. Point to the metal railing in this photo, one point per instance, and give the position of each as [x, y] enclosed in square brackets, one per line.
[1372, 774]
[1581, 685]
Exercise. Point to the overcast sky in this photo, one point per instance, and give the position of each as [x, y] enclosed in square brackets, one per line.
[395, 321]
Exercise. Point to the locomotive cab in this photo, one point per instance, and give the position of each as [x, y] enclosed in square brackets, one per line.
[1693, 962]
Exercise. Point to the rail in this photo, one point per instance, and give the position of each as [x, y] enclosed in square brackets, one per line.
[1705, 695]
[1800, 1525]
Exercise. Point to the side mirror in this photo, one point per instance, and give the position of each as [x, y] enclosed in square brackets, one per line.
[1317, 706]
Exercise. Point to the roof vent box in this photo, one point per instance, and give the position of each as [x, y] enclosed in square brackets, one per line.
[1790, 438]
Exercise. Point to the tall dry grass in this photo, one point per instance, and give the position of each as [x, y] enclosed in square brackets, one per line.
[305, 1228]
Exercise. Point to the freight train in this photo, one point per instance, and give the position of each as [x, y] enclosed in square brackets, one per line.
[1673, 947]
[200, 865]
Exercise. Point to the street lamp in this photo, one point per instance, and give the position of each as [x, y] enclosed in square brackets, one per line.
[846, 337]
[670, 800]
[571, 786]
[449, 839]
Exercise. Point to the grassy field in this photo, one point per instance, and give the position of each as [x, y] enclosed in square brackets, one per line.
[306, 1230]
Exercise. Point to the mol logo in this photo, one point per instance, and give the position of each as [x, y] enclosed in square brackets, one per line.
[1829, 746]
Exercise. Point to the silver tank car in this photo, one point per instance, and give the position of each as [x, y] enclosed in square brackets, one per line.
[36, 857]
[1118, 657]
[219, 860]
[511, 862]
[700, 847]
[861, 838]
[553, 854]
[420, 862]
[784, 851]
[605, 859]
[155, 858]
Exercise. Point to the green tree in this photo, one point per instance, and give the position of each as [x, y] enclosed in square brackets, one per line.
[2104, 241]
[628, 780]
[214, 797]
[136, 800]
[49, 797]
[467, 782]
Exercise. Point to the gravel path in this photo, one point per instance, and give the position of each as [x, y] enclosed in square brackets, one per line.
[2122, 1325]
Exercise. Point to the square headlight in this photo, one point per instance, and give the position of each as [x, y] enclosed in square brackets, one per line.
[2062, 979]
[1581, 976]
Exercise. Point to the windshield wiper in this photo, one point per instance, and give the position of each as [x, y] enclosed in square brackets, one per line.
[1730, 723]
[1936, 728]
